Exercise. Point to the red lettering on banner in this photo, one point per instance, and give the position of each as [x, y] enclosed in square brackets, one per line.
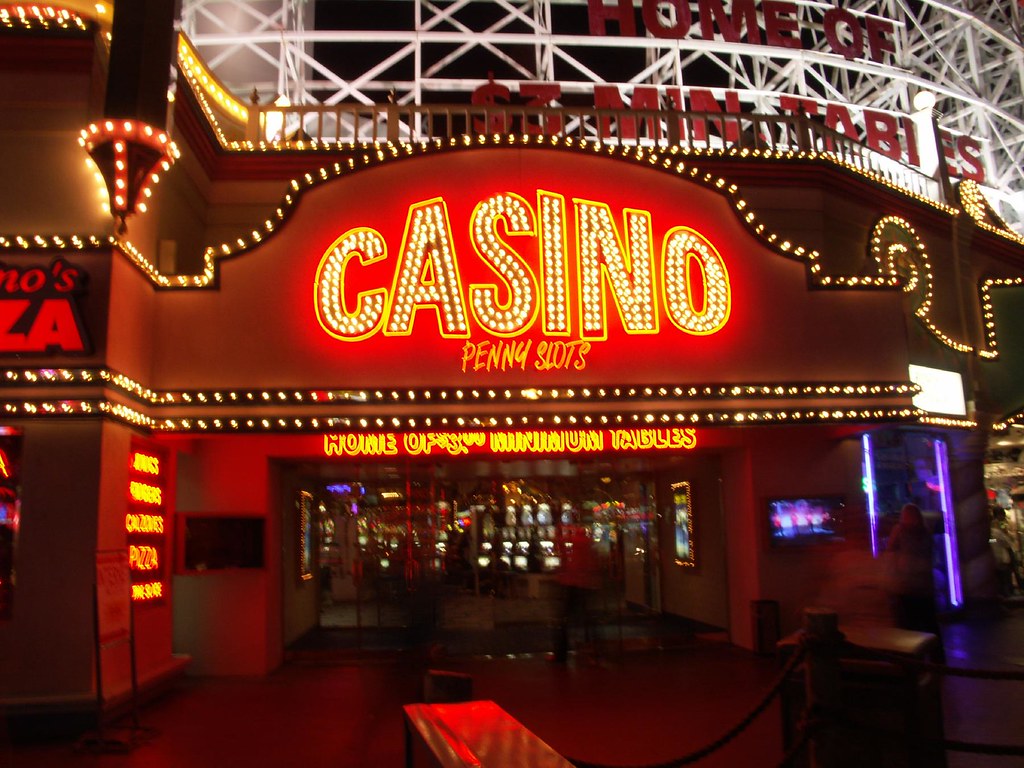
[645, 97]
[838, 118]
[837, 21]
[891, 135]
[680, 21]
[883, 133]
[702, 100]
[781, 27]
[608, 97]
[488, 95]
[913, 157]
[769, 22]
[541, 95]
[798, 105]
[744, 15]
[948, 150]
[879, 33]
[970, 153]
[600, 14]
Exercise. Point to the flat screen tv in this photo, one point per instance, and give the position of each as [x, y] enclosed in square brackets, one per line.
[795, 521]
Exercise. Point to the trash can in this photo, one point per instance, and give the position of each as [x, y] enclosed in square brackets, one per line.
[764, 618]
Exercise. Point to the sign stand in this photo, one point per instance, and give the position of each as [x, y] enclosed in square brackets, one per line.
[114, 626]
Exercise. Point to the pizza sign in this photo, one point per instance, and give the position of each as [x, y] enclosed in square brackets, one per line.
[39, 310]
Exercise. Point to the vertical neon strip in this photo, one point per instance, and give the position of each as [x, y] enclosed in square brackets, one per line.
[949, 523]
[871, 492]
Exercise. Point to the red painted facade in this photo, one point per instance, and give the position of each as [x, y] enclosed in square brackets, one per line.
[244, 386]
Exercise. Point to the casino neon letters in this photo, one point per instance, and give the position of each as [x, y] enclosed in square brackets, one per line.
[538, 277]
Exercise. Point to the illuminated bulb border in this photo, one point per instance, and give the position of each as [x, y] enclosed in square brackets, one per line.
[909, 263]
[649, 419]
[948, 422]
[206, 87]
[120, 133]
[702, 418]
[981, 212]
[977, 206]
[71, 407]
[45, 17]
[63, 377]
[988, 312]
[56, 242]
[1013, 420]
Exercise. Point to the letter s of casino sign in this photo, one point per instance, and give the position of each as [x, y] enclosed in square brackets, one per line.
[39, 310]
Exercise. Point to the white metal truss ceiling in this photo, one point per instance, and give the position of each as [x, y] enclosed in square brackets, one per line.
[968, 52]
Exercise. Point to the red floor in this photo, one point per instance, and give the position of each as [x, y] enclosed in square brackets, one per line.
[639, 708]
[643, 707]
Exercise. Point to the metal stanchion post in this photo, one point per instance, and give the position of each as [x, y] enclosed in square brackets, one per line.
[823, 680]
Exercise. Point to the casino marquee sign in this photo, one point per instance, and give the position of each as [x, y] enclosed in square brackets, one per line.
[522, 294]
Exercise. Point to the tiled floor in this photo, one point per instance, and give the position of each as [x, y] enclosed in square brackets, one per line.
[638, 707]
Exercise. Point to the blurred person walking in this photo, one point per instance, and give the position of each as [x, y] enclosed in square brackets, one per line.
[579, 578]
[910, 556]
[1002, 551]
[855, 585]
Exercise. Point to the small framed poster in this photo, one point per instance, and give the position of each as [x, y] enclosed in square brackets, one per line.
[682, 524]
[304, 505]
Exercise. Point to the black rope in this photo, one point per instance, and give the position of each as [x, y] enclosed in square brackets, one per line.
[728, 736]
[804, 733]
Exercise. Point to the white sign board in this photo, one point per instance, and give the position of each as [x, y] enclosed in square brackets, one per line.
[941, 391]
[113, 596]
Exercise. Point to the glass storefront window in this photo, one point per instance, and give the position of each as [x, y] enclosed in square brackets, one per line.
[481, 528]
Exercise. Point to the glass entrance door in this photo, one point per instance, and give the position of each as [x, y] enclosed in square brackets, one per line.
[443, 552]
